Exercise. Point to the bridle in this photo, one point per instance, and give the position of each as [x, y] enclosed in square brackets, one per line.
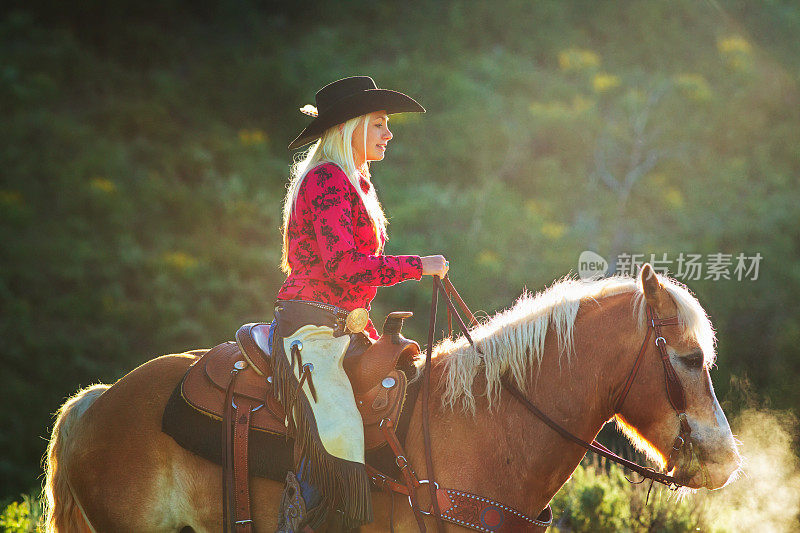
[675, 393]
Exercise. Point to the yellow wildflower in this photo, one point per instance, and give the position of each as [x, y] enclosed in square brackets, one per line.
[673, 197]
[488, 258]
[735, 44]
[553, 230]
[693, 86]
[581, 104]
[533, 207]
[736, 52]
[257, 136]
[180, 260]
[558, 110]
[103, 185]
[11, 198]
[577, 59]
[603, 82]
[252, 137]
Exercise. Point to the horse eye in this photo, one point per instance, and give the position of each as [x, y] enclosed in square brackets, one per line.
[694, 361]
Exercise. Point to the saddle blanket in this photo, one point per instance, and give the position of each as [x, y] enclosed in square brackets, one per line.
[270, 454]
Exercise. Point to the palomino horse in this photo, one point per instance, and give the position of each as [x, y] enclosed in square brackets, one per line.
[569, 348]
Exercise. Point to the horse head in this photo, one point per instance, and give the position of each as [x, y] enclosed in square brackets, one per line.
[668, 407]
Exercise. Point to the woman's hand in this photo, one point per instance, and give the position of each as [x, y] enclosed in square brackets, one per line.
[435, 265]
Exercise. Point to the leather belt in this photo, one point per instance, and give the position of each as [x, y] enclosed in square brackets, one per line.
[292, 314]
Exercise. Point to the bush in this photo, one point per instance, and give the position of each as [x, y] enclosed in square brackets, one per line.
[22, 517]
[599, 499]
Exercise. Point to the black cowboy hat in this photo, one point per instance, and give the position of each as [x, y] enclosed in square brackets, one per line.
[348, 98]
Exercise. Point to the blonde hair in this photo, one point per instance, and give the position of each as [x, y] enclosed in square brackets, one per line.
[335, 146]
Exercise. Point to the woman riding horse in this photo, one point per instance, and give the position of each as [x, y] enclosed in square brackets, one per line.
[582, 352]
[334, 233]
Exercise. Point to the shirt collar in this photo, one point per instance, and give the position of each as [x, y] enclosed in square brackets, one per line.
[365, 184]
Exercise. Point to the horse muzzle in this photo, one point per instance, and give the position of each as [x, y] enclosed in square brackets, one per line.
[710, 464]
[691, 471]
[686, 460]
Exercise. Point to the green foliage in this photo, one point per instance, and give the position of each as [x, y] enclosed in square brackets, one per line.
[144, 163]
[598, 499]
[22, 516]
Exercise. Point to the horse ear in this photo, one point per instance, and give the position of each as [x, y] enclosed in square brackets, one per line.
[654, 293]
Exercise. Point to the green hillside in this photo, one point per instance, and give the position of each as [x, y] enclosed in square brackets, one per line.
[143, 156]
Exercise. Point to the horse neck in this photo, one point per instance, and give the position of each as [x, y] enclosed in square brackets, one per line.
[508, 454]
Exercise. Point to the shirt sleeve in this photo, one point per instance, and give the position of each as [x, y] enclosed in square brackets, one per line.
[329, 196]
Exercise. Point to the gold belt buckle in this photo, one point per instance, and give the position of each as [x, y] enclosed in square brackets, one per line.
[356, 320]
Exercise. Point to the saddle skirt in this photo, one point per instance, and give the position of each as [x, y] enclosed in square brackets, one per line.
[379, 387]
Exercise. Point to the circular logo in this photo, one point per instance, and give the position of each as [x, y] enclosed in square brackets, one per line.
[492, 517]
[357, 320]
[591, 265]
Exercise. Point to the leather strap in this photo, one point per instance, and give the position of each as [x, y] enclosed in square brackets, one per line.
[654, 324]
[445, 289]
[452, 292]
[459, 507]
[387, 427]
[426, 391]
[243, 521]
[484, 514]
[237, 415]
[451, 308]
[227, 453]
[632, 374]
[674, 388]
[593, 446]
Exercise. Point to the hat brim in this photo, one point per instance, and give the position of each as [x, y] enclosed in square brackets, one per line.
[355, 105]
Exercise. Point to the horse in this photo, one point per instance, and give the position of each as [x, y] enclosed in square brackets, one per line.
[570, 348]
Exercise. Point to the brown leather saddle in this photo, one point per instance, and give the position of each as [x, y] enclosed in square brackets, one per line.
[379, 387]
[232, 382]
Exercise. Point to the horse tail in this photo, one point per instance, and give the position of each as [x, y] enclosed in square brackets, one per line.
[62, 510]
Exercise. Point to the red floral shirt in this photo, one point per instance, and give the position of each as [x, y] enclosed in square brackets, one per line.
[332, 246]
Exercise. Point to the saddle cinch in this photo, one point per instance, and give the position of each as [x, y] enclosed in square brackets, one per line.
[232, 382]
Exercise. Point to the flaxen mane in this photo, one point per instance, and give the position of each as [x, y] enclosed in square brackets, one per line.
[513, 340]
